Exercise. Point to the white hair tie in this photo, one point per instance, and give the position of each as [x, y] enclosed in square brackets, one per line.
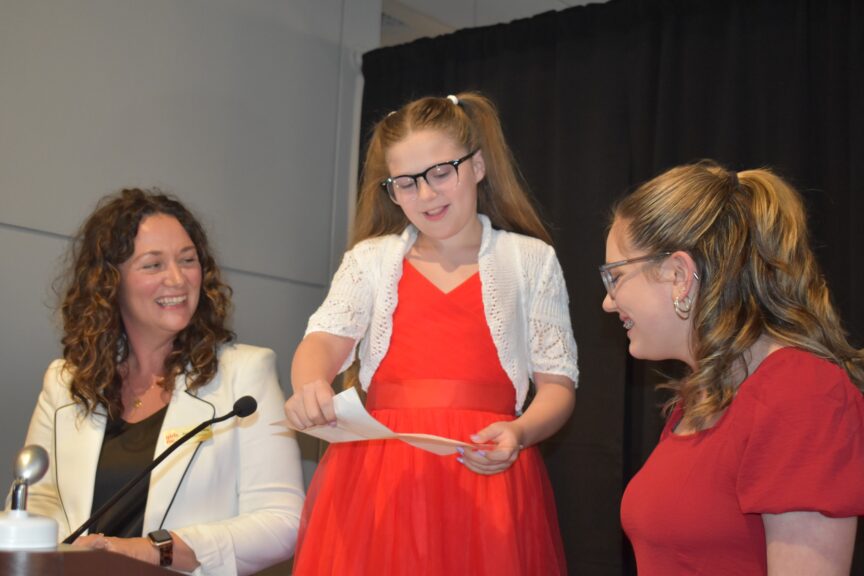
[453, 99]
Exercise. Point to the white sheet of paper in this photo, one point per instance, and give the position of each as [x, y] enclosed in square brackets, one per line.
[354, 423]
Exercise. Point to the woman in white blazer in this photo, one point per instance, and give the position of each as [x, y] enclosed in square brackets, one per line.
[147, 357]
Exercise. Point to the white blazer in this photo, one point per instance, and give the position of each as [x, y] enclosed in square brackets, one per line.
[234, 497]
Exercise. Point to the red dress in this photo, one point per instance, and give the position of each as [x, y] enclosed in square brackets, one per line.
[793, 439]
[387, 508]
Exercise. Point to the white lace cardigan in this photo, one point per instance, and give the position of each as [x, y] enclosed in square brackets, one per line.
[524, 298]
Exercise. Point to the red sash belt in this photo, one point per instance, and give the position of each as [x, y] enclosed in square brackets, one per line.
[499, 397]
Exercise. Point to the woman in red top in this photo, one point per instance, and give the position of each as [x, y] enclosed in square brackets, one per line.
[760, 468]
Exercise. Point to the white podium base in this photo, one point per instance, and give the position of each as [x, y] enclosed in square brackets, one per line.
[22, 531]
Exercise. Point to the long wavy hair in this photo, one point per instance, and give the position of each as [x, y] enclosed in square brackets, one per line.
[747, 233]
[94, 339]
[473, 123]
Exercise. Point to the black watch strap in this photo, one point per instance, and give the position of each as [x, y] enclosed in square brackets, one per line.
[164, 543]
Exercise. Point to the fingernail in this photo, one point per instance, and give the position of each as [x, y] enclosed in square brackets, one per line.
[460, 460]
[475, 438]
[460, 450]
[481, 452]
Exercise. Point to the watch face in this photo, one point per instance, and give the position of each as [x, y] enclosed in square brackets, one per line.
[160, 536]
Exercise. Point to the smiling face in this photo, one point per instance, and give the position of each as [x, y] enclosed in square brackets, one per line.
[642, 297]
[449, 215]
[160, 283]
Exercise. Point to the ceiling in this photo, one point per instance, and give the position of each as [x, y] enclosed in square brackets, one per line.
[406, 20]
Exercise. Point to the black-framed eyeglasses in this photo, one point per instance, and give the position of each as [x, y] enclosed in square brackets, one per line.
[441, 177]
[609, 279]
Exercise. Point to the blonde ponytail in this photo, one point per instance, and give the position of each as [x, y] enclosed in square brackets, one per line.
[747, 234]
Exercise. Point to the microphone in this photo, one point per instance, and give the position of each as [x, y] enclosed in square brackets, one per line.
[242, 407]
[30, 466]
[18, 529]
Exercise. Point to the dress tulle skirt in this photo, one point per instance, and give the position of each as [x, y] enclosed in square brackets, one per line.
[384, 507]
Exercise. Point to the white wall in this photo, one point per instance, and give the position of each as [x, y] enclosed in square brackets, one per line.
[245, 109]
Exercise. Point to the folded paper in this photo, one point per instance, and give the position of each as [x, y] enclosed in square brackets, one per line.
[354, 423]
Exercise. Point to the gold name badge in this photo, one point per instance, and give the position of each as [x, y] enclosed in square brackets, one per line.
[172, 436]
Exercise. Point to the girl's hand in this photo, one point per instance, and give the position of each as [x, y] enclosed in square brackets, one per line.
[138, 548]
[506, 441]
[311, 405]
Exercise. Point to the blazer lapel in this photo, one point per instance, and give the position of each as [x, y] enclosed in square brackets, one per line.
[78, 442]
[184, 413]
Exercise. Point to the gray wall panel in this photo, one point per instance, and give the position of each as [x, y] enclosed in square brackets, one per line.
[247, 110]
[29, 333]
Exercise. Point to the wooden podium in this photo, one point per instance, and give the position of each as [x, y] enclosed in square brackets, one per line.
[73, 561]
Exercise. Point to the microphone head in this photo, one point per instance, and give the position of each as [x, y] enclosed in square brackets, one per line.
[32, 463]
[245, 406]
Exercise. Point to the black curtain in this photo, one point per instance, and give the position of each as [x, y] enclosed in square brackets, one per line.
[597, 99]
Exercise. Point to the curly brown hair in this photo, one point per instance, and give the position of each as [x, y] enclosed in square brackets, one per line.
[94, 339]
[747, 233]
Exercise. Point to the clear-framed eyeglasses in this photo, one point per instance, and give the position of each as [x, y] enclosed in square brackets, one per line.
[441, 177]
[610, 279]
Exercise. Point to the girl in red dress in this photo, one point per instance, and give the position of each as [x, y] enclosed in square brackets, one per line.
[760, 467]
[456, 299]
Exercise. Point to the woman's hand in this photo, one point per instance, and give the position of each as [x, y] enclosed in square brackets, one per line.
[141, 549]
[311, 405]
[138, 548]
[505, 440]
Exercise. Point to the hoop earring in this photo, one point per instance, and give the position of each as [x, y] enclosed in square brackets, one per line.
[683, 305]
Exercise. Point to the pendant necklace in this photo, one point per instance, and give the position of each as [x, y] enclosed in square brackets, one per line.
[138, 402]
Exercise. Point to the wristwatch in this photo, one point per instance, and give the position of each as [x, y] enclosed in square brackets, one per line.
[164, 543]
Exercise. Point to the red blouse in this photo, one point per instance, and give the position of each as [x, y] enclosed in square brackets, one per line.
[792, 440]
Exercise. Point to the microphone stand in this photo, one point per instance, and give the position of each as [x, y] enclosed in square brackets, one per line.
[129, 485]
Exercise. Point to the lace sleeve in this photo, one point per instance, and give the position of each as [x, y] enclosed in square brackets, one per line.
[347, 309]
[551, 342]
